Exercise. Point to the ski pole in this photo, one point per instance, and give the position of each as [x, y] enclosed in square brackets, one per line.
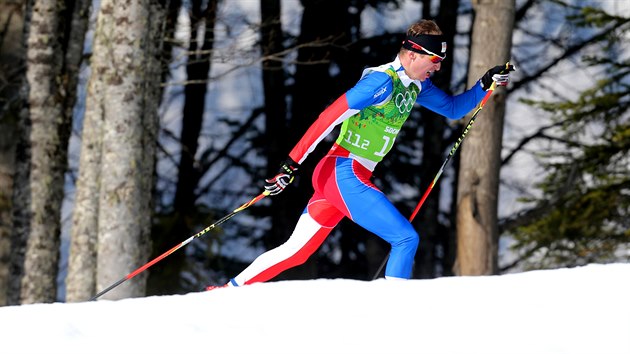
[448, 158]
[453, 149]
[182, 244]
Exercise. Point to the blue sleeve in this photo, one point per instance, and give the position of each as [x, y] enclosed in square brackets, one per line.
[452, 107]
[371, 89]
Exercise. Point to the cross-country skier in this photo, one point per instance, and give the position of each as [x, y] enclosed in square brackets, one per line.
[372, 114]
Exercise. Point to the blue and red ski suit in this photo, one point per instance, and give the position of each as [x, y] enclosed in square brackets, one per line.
[372, 113]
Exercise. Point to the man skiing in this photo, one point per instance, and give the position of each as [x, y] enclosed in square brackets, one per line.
[372, 114]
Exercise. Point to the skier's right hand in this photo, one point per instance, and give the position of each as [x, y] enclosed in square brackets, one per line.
[286, 174]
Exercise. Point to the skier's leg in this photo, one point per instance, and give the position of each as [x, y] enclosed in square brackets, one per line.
[350, 189]
[314, 225]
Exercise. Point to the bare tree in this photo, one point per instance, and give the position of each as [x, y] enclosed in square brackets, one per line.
[477, 199]
[433, 145]
[53, 53]
[11, 63]
[273, 77]
[74, 49]
[165, 278]
[81, 278]
[118, 149]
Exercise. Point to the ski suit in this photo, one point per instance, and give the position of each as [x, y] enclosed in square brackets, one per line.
[372, 114]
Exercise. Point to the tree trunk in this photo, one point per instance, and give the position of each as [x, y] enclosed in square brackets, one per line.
[125, 40]
[11, 59]
[427, 261]
[21, 213]
[7, 166]
[165, 278]
[477, 231]
[50, 129]
[74, 53]
[159, 15]
[81, 278]
[275, 114]
[20, 206]
[314, 63]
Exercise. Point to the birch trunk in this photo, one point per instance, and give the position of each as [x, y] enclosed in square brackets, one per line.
[478, 186]
[48, 140]
[125, 43]
[80, 280]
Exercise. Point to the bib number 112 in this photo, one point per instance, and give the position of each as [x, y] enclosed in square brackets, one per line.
[356, 141]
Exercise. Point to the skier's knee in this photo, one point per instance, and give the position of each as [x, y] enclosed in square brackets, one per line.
[408, 242]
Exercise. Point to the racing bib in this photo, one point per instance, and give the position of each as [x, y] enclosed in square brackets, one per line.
[371, 132]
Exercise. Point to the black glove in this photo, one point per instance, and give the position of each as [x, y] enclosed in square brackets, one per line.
[285, 176]
[499, 74]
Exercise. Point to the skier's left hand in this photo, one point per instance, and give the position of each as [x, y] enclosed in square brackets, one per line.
[499, 74]
[286, 174]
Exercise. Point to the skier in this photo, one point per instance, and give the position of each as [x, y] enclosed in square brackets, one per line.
[372, 114]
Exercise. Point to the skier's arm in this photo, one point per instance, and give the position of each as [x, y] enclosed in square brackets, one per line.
[371, 89]
[452, 107]
[455, 107]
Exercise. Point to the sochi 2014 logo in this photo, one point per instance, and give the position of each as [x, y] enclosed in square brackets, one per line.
[405, 101]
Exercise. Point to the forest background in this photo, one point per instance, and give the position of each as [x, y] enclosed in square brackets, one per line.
[127, 126]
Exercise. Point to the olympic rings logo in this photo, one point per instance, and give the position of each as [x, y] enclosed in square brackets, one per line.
[405, 101]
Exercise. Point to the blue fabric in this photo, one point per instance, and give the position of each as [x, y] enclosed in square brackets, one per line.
[371, 209]
[371, 89]
[452, 107]
[374, 87]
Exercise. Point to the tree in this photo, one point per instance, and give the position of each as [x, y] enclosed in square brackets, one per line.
[276, 122]
[81, 278]
[315, 55]
[582, 213]
[11, 65]
[433, 145]
[166, 278]
[478, 185]
[74, 53]
[121, 105]
[51, 76]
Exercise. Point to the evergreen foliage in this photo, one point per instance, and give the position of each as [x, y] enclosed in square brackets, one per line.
[587, 190]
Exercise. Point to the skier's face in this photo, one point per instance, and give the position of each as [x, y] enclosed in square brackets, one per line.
[422, 66]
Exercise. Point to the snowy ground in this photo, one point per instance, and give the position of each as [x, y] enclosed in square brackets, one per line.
[580, 310]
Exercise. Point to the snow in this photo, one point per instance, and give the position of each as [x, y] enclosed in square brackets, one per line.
[578, 310]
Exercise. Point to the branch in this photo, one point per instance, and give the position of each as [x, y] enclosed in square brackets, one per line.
[518, 260]
[522, 11]
[527, 139]
[234, 162]
[528, 216]
[205, 165]
[567, 53]
[279, 56]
